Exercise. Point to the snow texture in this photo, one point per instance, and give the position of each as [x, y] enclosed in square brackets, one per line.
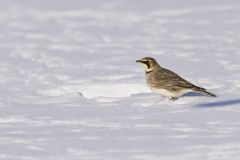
[71, 89]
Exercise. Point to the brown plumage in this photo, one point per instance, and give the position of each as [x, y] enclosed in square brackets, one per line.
[166, 82]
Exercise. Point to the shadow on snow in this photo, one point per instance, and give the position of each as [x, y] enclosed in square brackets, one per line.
[220, 103]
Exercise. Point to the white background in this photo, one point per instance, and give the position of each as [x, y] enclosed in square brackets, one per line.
[70, 88]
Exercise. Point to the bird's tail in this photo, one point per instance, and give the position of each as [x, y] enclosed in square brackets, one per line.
[204, 91]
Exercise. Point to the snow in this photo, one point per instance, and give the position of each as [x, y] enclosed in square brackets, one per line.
[71, 89]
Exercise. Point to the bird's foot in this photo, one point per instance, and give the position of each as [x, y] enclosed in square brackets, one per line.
[173, 98]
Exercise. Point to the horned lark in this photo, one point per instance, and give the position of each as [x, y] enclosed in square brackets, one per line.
[166, 82]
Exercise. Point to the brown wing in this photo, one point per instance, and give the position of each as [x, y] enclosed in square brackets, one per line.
[170, 80]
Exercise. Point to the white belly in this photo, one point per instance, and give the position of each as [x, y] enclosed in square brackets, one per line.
[166, 93]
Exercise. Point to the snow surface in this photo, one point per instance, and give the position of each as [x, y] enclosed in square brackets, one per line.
[71, 90]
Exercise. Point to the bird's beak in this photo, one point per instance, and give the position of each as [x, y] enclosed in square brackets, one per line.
[138, 61]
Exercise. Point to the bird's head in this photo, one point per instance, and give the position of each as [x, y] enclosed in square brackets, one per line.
[149, 64]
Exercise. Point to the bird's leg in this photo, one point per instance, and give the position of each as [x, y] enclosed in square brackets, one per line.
[173, 98]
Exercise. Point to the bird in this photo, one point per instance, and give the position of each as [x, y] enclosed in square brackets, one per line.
[167, 83]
